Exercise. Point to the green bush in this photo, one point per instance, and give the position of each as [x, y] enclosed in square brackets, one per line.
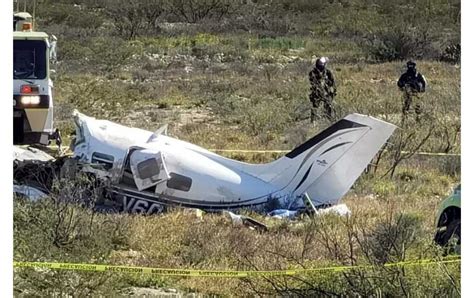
[131, 18]
[109, 53]
[400, 43]
[96, 54]
[281, 43]
[53, 14]
[74, 50]
[84, 19]
[452, 53]
[194, 11]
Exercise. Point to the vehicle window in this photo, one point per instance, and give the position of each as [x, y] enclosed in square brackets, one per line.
[458, 188]
[148, 168]
[29, 59]
[179, 182]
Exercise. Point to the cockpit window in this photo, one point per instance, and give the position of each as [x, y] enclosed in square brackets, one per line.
[29, 59]
[179, 182]
[149, 168]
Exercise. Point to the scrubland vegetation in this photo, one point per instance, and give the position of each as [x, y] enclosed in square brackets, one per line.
[233, 75]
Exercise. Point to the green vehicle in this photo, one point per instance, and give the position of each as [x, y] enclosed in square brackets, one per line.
[448, 220]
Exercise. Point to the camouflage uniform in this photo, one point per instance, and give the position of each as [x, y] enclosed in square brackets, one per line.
[412, 83]
[323, 90]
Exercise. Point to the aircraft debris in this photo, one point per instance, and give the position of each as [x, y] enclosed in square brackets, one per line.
[147, 170]
[340, 209]
[242, 220]
[30, 154]
[309, 204]
[33, 172]
[284, 213]
[29, 192]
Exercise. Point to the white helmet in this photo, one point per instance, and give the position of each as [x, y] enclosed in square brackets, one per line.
[321, 62]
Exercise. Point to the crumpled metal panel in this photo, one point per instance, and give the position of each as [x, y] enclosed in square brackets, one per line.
[30, 154]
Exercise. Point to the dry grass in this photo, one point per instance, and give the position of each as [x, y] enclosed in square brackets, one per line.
[243, 111]
[248, 91]
[254, 109]
[400, 211]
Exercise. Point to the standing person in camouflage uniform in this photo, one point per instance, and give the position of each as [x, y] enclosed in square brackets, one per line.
[323, 89]
[412, 83]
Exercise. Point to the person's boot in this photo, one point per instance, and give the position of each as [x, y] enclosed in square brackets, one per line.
[418, 113]
[328, 111]
[313, 116]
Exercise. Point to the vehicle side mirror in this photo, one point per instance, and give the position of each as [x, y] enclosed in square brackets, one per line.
[457, 190]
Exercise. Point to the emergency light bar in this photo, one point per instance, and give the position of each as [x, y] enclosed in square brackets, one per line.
[26, 27]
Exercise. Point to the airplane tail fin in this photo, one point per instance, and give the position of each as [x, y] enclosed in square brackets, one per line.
[326, 166]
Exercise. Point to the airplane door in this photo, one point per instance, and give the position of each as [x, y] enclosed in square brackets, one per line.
[148, 168]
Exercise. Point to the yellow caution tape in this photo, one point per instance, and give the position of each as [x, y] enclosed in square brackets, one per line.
[249, 151]
[432, 153]
[66, 151]
[218, 273]
[286, 151]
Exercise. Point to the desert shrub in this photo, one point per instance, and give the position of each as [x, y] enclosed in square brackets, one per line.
[452, 53]
[53, 14]
[68, 14]
[377, 232]
[86, 52]
[84, 19]
[258, 116]
[262, 20]
[99, 98]
[98, 55]
[383, 188]
[283, 43]
[74, 50]
[354, 240]
[64, 227]
[450, 165]
[390, 240]
[315, 7]
[400, 43]
[134, 18]
[405, 30]
[193, 11]
[109, 53]
[66, 33]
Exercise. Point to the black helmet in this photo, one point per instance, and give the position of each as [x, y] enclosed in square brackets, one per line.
[321, 63]
[411, 64]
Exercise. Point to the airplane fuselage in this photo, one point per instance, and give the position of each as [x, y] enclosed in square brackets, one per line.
[177, 173]
[148, 169]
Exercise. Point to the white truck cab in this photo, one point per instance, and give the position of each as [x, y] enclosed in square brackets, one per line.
[32, 86]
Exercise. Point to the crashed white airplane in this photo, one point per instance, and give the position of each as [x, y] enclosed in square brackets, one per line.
[147, 170]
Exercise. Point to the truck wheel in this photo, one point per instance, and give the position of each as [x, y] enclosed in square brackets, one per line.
[452, 236]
